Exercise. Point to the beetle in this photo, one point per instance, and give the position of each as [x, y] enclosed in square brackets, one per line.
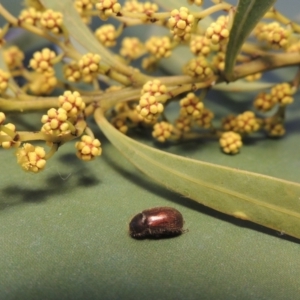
[157, 222]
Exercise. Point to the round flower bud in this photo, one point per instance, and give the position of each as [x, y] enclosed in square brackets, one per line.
[72, 72]
[198, 68]
[283, 93]
[154, 88]
[43, 84]
[106, 35]
[72, 103]
[9, 144]
[31, 158]
[247, 122]
[131, 48]
[204, 119]
[181, 23]
[264, 102]
[218, 32]
[89, 65]
[13, 57]
[29, 16]
[159, 46]
[191, 106]
[183, 124]
[230, 142]
[108, 8]
[149, 108]
[162, 131]
[229, 123]
[42, 61]
[273, 127]
[88, 148]
[52, 21]
[120, 124]
[200, 45]
[55, 122]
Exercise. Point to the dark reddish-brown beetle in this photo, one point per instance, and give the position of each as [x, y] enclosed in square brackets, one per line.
[156, 222]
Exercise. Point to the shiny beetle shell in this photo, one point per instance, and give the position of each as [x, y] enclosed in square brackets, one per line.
[156, 222]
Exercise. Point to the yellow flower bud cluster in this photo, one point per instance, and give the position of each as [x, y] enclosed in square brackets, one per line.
[229, 123]
[52, 21]
[108, 8]
[89, 66]
[199, 68]
[159, 46]
[247, 122]
[31, 158]
[131, 6]
[134, 6]
[191, 106]
[30, 16]
[200, 45]
[120, 124]
[13, 57]
[42, 61]
[8, 144]
[72, 72]
[183, 123]
[55, 122]
[274, 127]
[88, 148]
[43, 83]
[131, 48]
[283, 93]
[106, 35]
[72, 103]
[181, 23]
[44, 80]
[83, 7]
[264, 102]
[162, 131]
[218, 32]
[274, 34]
[230, 142]
[149, 108]
[4, 78]
[253, 77]
[154, 88]
[148, 8]
[204, 120]
[218, 61]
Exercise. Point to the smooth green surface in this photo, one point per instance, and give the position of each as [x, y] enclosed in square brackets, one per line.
[64, 232]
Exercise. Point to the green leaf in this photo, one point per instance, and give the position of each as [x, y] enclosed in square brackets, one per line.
[248, 14]
[265, 200]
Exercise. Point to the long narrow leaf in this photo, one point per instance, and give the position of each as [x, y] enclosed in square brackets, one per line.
[248, 14]
[265, 200]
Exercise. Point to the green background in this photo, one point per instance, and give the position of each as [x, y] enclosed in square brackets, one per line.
[64, 232]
